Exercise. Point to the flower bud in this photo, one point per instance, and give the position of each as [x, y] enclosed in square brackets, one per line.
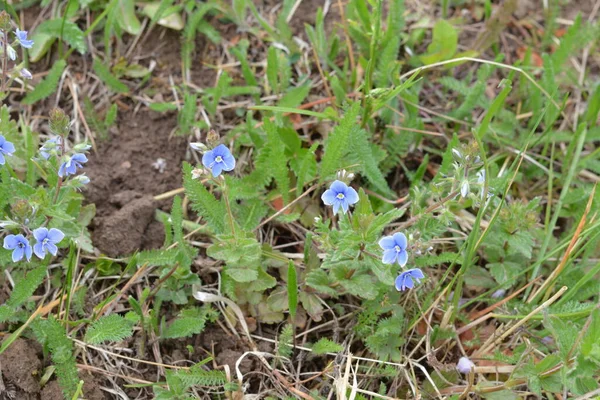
[81, 147]
[464, 365]
[201, 147]
[5, 22]
[212, 138]
[59, 122]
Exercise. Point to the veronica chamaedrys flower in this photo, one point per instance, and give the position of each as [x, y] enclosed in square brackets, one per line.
[464, 365]
[26, 74]
[6, 149]
[394, 249]
[218, 159]
[406, 280]
[46, 241]
[339, 195]
[19, 245]
[22, 36]
[50, 144]
[70, 166]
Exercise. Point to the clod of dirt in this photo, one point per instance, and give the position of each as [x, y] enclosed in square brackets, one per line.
[121, 172]
[21, 365]
[52, 391]
[122, 232]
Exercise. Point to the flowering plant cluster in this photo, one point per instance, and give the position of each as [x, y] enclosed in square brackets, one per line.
[7, 49]
[25, 225]
[340, 195]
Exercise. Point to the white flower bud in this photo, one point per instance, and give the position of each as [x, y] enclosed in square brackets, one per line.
[197, 173]
[201, 147]
[464, 365]
[464, 189]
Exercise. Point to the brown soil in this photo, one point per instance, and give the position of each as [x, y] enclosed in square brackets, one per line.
[21, 365]
[123, 181]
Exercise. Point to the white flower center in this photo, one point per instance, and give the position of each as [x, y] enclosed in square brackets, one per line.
[340, 196]
[219, 159]
[45, 241]
[397, 248]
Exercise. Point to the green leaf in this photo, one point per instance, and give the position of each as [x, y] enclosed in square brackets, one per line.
[292, 285]
[325, 345]
[443, 44]
[126, 17]
[62, 29]
[277, 160]
[272, 69]
[295, 96]
[111, 327]
[336, 145]
[108, 78]
[188, 322]
[203, 202]
[41, 44]
[47, 86]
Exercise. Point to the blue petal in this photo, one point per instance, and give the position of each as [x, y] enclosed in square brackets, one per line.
[62, 169]
[2, 140]
[39, 251]
[17, 254]
[328, 197]
[28, 252]
[55, 235]
[10, 242]
[228, 162]
[400, 239]
[351, 195]
[408, 282]
[221, 150]
[216, 169]
[208, 159]
[2, 160]
[79, 157]
[336, 207]
[416, 273]
[389, 256]
[402, 258]
[51, 247]
[401, 282]
[344, 203]
[387, 242]
[8, 147]
[338, 187]
[40, 234]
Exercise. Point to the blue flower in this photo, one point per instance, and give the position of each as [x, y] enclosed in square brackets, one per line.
[339, 194]
[22, 36]
[70, 166]
[19, 245]
[405, 280]
[6, 149]
[51, 144]
[394, 249]
[218, 159]
[46, 241]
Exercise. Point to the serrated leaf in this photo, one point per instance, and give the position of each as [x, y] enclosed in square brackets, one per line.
[41, 44]
[203, 202]
[189, 322]
[48, 85]
[336, 145]
[325, 345]
[108, 78]
[111, 327]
